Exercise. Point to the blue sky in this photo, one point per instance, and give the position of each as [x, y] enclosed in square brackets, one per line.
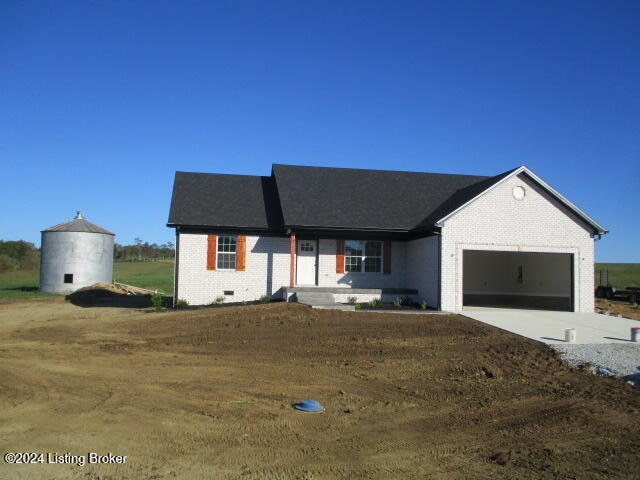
[102, 101]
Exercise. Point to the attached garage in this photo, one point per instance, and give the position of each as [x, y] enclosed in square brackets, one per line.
[517, 279]
[518, 243]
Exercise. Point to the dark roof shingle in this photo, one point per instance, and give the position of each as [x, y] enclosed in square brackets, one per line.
[364, 199]
[218, 200]
[331, 199]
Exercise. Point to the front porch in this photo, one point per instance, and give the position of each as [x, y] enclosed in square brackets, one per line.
[327, 297]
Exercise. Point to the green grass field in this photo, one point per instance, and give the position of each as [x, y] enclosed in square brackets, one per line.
[23, 284]
[151, 275]
[621, 275]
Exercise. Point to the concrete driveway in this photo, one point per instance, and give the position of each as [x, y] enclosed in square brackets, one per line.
[548, 327]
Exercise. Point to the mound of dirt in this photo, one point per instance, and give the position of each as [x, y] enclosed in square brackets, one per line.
[208, 393]
[107, 295]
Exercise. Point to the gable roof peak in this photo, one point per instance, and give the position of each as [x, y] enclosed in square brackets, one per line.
[498, 179]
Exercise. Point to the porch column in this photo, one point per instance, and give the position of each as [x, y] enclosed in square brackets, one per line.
[292, 263]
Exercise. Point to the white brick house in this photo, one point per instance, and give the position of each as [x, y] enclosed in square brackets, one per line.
[452, 240]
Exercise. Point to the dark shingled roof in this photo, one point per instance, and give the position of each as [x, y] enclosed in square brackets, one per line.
[78, 224]
[231, 201]
[370, 199]
[332, 199]
[321, 198]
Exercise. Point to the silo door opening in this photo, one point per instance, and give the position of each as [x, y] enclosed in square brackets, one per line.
[68, 278]
[531, 280]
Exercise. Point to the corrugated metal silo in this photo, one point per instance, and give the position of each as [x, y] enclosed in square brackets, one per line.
[75, 254]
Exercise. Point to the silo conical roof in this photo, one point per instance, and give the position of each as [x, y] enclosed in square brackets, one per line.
[78, 224]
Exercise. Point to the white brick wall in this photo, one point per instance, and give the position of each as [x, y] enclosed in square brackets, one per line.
[327, 276]
[200, 286]
[422, 268]
[497, 221]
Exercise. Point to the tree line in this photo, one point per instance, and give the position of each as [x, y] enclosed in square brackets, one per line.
[143, 251]
[21, 255]
[18, 255]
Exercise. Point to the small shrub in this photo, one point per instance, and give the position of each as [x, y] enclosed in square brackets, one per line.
[352, 300]
[182, 303]
[357, 306]
[157, 301]
[376, 302]
[265, 299]
[398, 302]
[219, 300]
[424, 305]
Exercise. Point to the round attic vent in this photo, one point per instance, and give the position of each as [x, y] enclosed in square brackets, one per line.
[518, 192]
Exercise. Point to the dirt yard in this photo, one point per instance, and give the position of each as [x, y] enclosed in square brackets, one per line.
[207, 394]
[618, 308]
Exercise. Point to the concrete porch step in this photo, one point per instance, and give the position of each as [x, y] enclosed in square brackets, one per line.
[321, 300]
[315, 298]
[355, 291]
[336, 306]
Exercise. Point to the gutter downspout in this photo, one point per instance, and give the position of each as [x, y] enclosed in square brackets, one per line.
[440, 270]
[175, 268]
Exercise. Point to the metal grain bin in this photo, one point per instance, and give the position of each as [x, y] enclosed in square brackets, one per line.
[75, 254]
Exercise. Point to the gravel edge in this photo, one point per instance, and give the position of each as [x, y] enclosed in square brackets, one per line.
[606, 359]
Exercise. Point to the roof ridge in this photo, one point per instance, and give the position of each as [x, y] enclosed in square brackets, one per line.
[222, 174]
[380, 170]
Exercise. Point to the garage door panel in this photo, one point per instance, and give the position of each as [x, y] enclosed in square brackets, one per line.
[533, 302]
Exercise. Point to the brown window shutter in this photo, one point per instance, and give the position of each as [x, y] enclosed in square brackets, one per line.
[241, 252]
[339, 256]
[386, 253]
[212, 250]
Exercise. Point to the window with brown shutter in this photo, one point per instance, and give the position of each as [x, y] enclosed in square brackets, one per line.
[241, 249]
[339, 256]
[386, 258]
[212, 247]
[363, 256]
[226, 259]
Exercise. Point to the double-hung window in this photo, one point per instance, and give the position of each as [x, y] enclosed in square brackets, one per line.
[226, 252]
[363, 256]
